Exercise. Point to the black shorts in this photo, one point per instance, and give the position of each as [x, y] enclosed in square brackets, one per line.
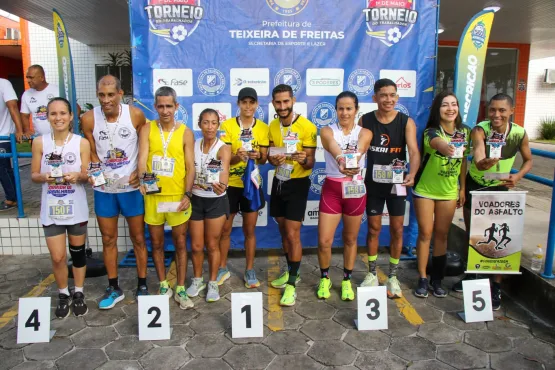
[375, 203]
[73, 230]
[472, 185]
[238, 202]
[204, 208]
[288, 198]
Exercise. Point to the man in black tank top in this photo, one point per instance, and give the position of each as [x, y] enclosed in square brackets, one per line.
[385, 179]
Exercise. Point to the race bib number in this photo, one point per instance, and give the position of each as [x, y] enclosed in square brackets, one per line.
[283, 172]
[353, 189]
[163, 166]
[382, 173]
[59, 209]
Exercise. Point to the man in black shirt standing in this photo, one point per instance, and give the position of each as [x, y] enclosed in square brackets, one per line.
[386, 181]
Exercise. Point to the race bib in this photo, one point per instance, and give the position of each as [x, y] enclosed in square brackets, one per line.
[353, 189]
[382, 173]
[163, 166]
[283, 172]
[60, 209]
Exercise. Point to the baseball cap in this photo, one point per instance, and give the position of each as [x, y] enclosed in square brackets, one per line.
[248, 92]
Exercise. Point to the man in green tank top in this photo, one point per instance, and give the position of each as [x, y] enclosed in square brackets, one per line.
[496, 143]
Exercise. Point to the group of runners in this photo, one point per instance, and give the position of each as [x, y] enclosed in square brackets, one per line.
[155, 172]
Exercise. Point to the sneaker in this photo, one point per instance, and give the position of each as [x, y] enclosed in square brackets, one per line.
[495, 297]
[197, 286]
[165, 290]
[437, 289]
[213, 293]
[64, 303]
[324, 288]
[79, 306]
[289, 295]
[370, 280]
[223, 275]
[110, 298]
[422, 290]
[250, 279]
[281, 281]
[458, 287]
[141, 291]
[393, 287]
[183, 299]
[347, 293]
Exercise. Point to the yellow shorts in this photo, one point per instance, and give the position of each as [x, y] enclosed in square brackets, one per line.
[152, 217]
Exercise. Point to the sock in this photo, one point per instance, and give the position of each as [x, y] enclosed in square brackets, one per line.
[164, 284]
[324, 273]
[179, 288]
[393, 264]
[78, 289]
[347, 273]
[438, 267]
[113, 282]
[372, 264]
[64, 291]
[293, 272]
[141, 282]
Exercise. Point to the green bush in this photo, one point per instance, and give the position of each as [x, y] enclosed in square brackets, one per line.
[547, 128]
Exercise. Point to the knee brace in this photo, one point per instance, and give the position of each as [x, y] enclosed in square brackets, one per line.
[78, 255]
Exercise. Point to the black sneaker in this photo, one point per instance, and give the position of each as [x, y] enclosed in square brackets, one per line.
[437, 290]
[64, 303]
[142, 290]
[458, 287]
[79, 306]
[495, 297]
[422, 290]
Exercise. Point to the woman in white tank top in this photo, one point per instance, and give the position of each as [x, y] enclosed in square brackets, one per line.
[60, 163]
[343, 193]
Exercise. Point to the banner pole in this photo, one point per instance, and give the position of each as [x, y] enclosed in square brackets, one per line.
[550, 252]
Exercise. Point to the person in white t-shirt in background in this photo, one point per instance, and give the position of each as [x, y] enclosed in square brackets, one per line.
[34, 101]
[9, 123]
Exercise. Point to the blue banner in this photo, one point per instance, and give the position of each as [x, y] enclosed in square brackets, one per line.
[207, 50]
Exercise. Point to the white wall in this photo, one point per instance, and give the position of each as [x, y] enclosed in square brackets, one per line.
[43, 51]
[540, 97]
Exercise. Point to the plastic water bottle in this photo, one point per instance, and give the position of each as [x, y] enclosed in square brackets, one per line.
[537, 259]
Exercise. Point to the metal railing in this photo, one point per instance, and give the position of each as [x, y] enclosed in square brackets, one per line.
[14, 155]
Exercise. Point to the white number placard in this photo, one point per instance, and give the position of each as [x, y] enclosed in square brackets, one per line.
[246, 315]
[33, 321]
[372, 308]
[154, 317]
[477, 300]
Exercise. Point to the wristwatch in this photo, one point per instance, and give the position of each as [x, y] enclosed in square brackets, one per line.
[189, 195]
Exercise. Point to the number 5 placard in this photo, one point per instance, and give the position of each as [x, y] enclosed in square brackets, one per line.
[154, 317]
[246, 315]
[33, 321]
[477, 300]
[372, 308]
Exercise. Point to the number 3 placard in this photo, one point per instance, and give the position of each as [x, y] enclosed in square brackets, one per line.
[477, 300]
[33, 321]
[246, 315]
[372, 308]
[154, 317]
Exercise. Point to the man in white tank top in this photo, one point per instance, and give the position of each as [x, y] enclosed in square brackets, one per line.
[112, 130]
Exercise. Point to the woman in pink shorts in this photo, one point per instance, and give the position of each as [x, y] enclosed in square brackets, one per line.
[343, 192]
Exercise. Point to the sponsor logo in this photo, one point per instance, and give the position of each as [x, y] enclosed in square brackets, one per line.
[181, 114]
[60, 191]
[124, 133]
[257, 78]
[50, 97]
[324, 114]
[262, 219]
[211, 82]
[177, 79]
[317, 178]
[479, 34]
[404, 79]
[70, 158]
[390, 21]
[361, 82]
[60, 34]
[289, 76]
[32, 100]
[384, 140]
[259, 114]
[40, 113]
[223, 109]
[174, 20]
[401, 108]
[103, 135]
[287, 7]
[383, 146]
[311, 213]
[116, 158]
[324, 81]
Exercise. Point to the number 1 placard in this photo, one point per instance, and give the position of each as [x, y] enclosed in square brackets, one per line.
[246, 315]
[154, 317]
[33, 321]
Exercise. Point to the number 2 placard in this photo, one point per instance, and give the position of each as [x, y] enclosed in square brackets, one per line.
[33, 321]
[154, 317]
[372, 308]
[246, 315]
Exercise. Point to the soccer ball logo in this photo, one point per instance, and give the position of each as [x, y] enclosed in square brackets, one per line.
[394, 35]
[179, 33]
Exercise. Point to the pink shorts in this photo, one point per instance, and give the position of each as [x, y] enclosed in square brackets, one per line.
[332, 202]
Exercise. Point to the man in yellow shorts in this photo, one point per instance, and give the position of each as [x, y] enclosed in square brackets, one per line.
[167, 167]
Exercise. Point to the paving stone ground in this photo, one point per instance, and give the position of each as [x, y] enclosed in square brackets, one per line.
[315, 334]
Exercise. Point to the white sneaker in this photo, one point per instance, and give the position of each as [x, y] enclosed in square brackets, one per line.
[370, 280]
[393, 288]
[183, 299]
[197, 285]
[213, 293]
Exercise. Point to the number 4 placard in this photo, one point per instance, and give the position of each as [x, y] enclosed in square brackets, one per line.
[372, 308]
[477, 300]
[154, 317]
[33, 321]
[246, 315]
